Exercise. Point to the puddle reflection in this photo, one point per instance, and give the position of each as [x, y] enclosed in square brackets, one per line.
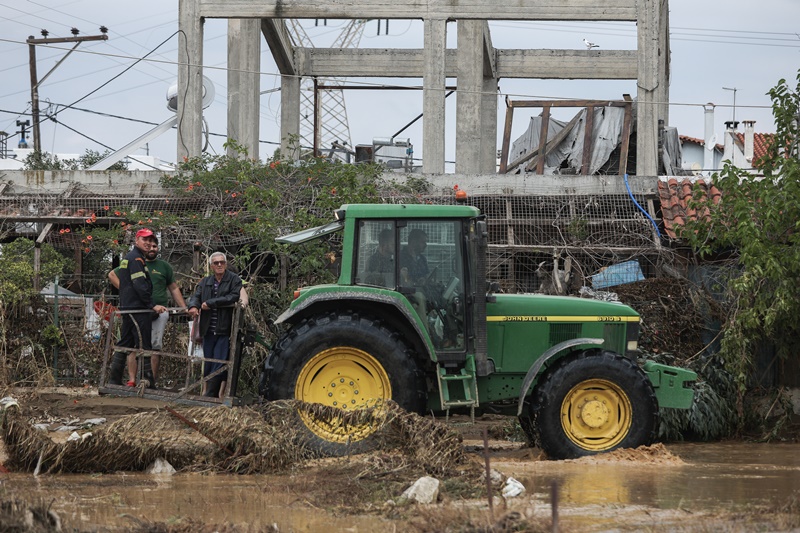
[712, 475]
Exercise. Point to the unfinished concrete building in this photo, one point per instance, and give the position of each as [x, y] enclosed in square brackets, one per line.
[475, 64]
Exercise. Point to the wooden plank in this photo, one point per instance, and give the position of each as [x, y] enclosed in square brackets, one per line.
[567, 103]
[625, 141]
[506, 140]
[587, 140]
[543, 138]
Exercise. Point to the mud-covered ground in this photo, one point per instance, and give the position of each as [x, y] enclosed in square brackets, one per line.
[664, 487]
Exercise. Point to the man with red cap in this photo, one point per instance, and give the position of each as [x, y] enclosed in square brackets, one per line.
[135, 293]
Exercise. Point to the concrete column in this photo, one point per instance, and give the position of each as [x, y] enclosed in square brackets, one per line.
[190, 80]
[244, 84]
[664, 53]
[433, 97]
[647, 112]
[469, 98]
[727, 150]
[749, 142]
[290, 117]
[709, 141]
[489, 126]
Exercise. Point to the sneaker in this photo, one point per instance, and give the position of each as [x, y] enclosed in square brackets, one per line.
[131, 384]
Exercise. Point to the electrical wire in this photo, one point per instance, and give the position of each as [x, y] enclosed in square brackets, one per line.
[119, 74]
[643, 210]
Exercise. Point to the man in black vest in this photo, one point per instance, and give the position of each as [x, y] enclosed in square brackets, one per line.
[135, 293]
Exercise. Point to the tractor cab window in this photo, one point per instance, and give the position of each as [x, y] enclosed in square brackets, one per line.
[375, 261]
[431, 275]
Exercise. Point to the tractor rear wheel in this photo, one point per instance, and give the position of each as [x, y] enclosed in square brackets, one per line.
[348, 361]
[591, 402]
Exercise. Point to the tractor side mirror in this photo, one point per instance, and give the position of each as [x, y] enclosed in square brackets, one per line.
[492, 287]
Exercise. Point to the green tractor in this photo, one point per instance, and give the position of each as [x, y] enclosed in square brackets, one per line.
[413, 319]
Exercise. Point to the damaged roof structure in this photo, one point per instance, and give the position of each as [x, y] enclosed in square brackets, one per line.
[600, 139]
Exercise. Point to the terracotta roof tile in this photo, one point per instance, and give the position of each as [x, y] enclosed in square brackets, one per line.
[760, 143]
[701, 142]
[686, 138]
[675, 198]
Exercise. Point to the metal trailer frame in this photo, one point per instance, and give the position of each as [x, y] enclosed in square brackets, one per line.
[185, 395]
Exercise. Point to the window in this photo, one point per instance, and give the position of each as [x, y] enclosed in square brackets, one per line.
[375, 256]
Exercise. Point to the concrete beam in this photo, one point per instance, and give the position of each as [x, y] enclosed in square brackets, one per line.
[568, 64]
[411, 63]
[244, 84]
[433, 96]
[596, 10]
[280, 44]
[190, 80]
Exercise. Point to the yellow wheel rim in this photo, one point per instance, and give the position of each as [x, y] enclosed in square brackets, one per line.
[596, 415]
[346, 378]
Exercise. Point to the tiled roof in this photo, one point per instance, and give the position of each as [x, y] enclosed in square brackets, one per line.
[675, 197]
[760, 142]
[686, 138]
[701, 142]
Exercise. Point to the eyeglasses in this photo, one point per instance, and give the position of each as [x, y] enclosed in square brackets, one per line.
[217, 263]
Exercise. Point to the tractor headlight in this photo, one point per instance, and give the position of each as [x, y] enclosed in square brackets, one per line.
[632, 338]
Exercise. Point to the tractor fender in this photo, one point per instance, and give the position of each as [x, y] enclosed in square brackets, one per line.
[534, 370]
[400, 304]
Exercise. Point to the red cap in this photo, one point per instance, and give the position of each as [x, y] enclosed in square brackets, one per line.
[144, 232]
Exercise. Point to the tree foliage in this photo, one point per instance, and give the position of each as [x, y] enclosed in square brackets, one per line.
[254, 202]
[48, 161]
[16, 270]
[758, 221]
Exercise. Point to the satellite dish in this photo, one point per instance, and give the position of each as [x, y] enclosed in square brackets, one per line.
[208, 95]
[712, 142]
[696, 169]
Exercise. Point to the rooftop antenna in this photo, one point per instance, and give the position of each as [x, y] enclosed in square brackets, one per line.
[734, 89]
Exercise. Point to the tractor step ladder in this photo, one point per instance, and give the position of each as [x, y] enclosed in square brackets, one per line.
[466, 379]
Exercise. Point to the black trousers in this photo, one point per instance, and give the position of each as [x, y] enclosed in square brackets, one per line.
[130, 335]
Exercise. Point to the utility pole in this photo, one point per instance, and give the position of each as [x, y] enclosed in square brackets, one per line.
[32, 42]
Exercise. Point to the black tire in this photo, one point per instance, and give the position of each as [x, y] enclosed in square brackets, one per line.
[362, 354]
[591, 402]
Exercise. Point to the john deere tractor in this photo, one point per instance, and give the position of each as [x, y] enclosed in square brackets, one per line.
[413, 319]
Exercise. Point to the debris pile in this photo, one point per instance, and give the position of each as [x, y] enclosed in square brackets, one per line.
[246, 440]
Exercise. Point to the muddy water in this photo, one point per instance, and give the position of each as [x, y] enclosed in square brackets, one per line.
[639, 491]
[106, 502]
[691, 480]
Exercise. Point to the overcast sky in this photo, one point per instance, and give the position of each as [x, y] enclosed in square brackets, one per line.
[738, 44]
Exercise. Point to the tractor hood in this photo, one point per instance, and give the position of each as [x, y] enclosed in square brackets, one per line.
[544, 308]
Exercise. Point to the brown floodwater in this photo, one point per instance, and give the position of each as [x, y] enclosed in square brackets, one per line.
[693, 482]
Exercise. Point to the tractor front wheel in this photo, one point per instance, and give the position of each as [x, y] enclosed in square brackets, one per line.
[347, 361]
[591, 402]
